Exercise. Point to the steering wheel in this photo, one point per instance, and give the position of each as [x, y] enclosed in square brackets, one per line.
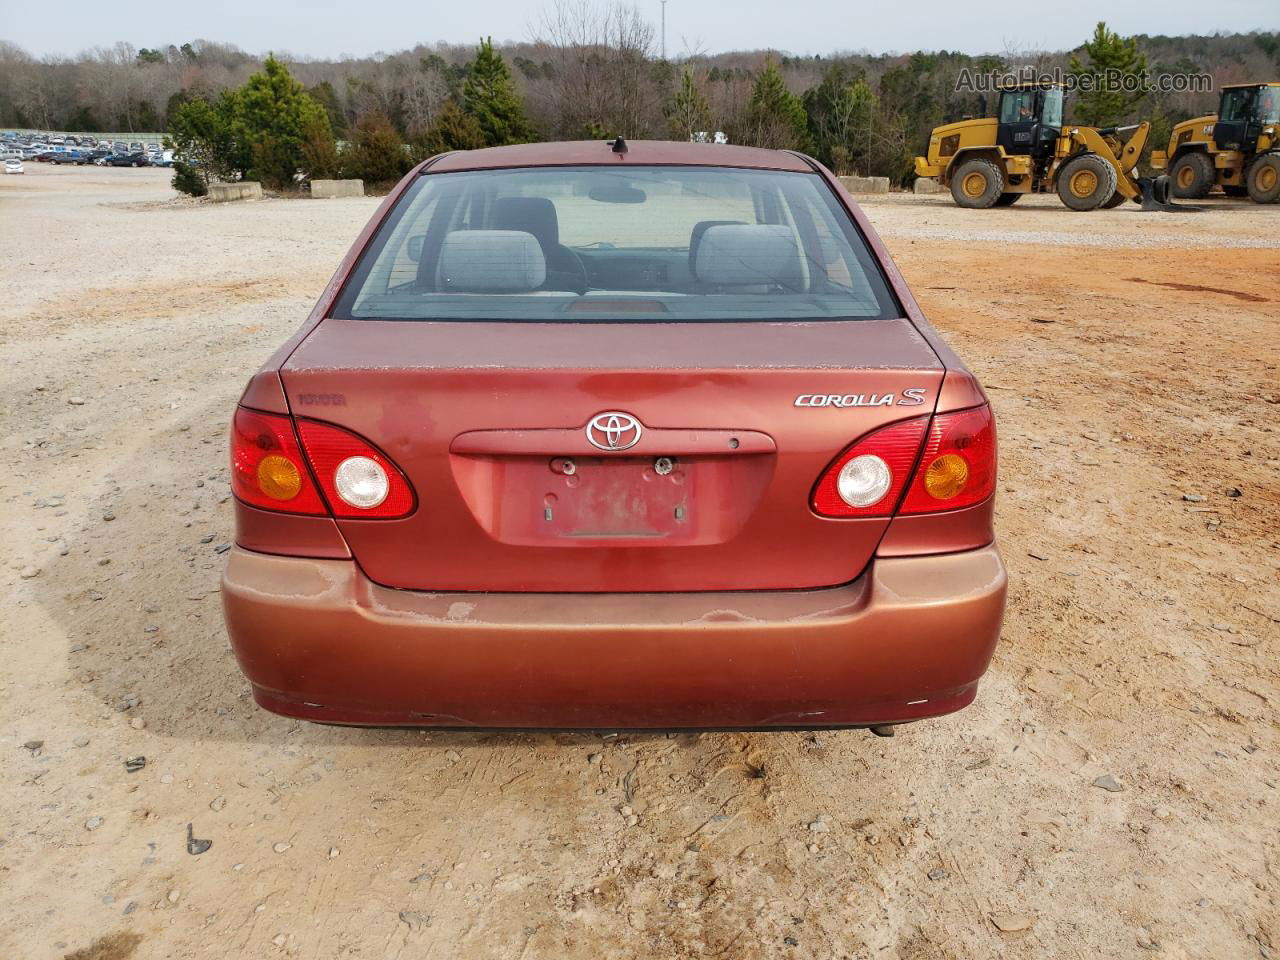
[582, 280]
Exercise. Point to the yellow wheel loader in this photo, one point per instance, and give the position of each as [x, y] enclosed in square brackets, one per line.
[1237, 149]
[1027, 149]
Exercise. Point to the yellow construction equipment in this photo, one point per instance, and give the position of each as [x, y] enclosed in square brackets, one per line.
[1026, 148]
[1237, 149]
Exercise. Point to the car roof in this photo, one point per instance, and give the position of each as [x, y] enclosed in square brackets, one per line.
[600, 152]
[1237, 86]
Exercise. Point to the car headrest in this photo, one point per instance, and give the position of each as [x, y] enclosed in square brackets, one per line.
[536, 215]
[695, 238]
[491, 261]
[738, 255]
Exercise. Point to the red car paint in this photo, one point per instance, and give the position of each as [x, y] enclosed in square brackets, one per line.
[542, 581]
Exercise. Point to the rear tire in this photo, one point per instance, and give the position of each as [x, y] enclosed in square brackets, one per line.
[1192, 175]
[1264, 178]
[977, 184]
[1007, 199]
[1086, 182]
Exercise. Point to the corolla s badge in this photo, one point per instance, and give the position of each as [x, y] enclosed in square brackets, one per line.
[614, 431]
[912, 396]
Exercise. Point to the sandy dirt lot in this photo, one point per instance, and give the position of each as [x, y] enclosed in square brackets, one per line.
[1133, 364]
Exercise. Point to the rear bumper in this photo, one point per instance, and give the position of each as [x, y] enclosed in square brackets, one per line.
[908, 639]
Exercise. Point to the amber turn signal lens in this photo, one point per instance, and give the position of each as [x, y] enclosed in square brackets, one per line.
[278, 477]
[946, 476]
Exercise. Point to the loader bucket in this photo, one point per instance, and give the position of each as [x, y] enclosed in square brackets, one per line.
[1155, 195]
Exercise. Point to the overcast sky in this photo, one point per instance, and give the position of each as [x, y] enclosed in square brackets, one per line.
[330, 28]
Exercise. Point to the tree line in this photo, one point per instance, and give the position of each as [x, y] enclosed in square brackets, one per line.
[590, 71]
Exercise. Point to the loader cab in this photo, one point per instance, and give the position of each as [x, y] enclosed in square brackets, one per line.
[1030, 120]
[1243, 111]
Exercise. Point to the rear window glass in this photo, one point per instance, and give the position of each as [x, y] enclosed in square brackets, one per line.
[631, 244]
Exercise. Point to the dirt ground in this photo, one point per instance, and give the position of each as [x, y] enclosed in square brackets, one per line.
[1133, 365]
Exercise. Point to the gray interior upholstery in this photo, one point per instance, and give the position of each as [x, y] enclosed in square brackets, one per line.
[749, 255]
[491, 261]
[537, 215]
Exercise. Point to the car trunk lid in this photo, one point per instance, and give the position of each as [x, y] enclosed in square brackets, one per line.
[706, 440]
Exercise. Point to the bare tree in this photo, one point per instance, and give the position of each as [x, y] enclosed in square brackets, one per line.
[602, 69]
[425, 90]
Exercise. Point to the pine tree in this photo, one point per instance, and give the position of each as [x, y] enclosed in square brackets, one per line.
[452, 129]
[775, 117]
[1111, 57]
[841, 110]
[376, 154]
[319, 151]
[274, 117]
[688, 112]
[202, 135]
[490, 96]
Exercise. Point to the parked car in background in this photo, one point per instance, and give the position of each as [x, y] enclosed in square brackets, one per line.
[127, 160]
[581, 436]
[76, 157]
[13, 166]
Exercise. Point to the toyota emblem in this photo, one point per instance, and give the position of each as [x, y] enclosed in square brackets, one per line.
[614, 431]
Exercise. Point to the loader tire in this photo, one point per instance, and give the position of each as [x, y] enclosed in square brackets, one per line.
[1086, 182]
[1192, 175]
[977, 184]
[1117, 198]
[1264, 179]
[1007, 199]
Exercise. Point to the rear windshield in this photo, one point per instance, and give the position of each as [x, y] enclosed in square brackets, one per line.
[631, 244]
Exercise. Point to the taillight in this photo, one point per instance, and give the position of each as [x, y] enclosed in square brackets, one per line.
[267, 466]
[358, 480]
[958, 466]
[867, 479]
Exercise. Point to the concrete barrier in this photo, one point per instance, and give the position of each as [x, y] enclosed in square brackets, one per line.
[925, 185]
[866, 184]
[244, 190]
[337, 188]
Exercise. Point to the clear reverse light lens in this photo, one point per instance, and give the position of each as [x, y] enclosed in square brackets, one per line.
[361, 482]
[863, 481]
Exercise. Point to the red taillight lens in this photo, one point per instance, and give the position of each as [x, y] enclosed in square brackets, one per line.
[958, 466]
[354, 486]
[880, 461]
[267, 466]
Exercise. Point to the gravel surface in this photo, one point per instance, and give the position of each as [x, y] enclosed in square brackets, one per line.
[1211, 223]
[1112, 793]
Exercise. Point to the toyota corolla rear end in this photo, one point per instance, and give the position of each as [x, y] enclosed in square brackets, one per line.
[581, 437]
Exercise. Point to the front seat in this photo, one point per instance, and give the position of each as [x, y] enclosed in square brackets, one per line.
[537, 215]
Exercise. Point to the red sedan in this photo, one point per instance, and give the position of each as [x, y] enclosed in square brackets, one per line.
[607, 435]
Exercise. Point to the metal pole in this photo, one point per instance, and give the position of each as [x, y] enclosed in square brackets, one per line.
[664, 29]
